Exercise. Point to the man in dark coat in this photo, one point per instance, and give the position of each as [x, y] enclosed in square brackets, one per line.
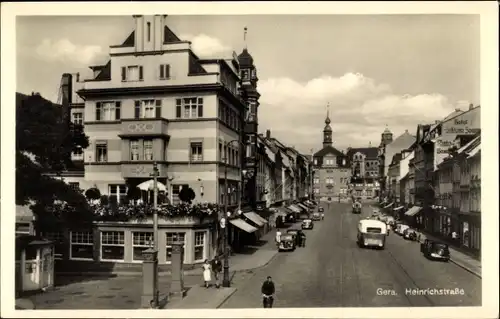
[268, 292]
[217, 269]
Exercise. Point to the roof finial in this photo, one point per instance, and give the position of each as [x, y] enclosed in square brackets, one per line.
[245, 36]
[327, 120]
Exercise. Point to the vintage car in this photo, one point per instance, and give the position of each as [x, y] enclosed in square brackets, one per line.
[287, 243]
[410, 234]
[389, 220]
[356, 208]
[321, 209]
[435, 250]
[316, 216]
[371, 233]
[307, 224]
[290, 218]
[295, 233]
[400, 228]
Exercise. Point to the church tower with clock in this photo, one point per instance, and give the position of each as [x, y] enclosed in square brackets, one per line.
[250, 95]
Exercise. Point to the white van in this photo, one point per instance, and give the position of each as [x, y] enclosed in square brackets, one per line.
[371, 233]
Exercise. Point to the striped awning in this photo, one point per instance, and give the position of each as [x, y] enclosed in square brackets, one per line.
[413, 211]
[259, 221]
[303, 206]
[295, 209]
[241, 224]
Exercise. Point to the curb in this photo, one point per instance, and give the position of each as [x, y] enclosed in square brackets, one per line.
[466, 268]
[226, 298]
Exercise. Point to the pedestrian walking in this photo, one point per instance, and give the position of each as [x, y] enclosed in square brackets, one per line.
[207, 273]
[267, 291]
[217, 269]
[303, 239]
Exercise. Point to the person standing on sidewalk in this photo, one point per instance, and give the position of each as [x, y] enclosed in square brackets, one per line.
[278, 236]
[207, 273]
[217, 269]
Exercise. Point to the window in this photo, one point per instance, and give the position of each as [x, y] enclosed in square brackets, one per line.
[134, 150]
[164, 71]
[132, 73]
[148, 150]
[316, 181]
[221, 156]
[171, 238]
[199, 245]
[149, 31]
[23, 228]
[78, 118]
[81, 245]
[101, 151]
[196, 151]
[74, 186]
[118, 191]
[147, 109]
[140, 242]
[189, 107]
[78, 153]
[58, 239]
[315, 161]
[316, 190]
[112, 245]
[108, 111]
[176, 189]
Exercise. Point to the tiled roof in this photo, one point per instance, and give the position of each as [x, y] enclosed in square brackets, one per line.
[369, 152]
[327, 150]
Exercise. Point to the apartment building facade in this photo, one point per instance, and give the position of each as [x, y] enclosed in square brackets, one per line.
[156, 101]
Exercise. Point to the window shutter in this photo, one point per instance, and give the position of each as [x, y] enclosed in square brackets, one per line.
[162, 73]
[98, 111]
[200, 107]
[124, 73]
[140, 74]
[137, 110]
[158, 108]
[178, 108]
[118, 107]
[167, 71]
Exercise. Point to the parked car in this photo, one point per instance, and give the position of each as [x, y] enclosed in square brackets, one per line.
[401, 228]
[287, 243]
[307, 224]
[435, 250]
[296, 235]
[316, 216]
[410, 234]
[290, 218]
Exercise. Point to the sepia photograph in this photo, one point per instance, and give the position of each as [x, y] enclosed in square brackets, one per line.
[248, 160]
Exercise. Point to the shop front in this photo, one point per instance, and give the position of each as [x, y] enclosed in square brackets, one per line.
[470, 232]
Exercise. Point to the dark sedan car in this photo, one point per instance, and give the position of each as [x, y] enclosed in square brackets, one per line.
[435, 250]
[296, 233]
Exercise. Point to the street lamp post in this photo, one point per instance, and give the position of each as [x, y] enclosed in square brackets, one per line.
[155, 175]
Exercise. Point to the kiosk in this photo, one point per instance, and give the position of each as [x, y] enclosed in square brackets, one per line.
[34, 263]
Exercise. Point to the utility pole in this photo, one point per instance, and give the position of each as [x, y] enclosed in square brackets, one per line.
[225, 280]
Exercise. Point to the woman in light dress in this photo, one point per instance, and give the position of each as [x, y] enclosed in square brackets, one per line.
[207, 273]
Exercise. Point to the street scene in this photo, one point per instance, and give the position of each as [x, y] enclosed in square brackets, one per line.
[179, 162]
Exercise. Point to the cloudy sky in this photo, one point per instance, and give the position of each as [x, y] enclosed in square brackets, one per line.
[373, 70]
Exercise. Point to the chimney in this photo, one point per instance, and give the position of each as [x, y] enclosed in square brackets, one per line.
[436, 122]
[406, 131]
[268, 133]
[458, 110]
[471, 106]
[78, 77]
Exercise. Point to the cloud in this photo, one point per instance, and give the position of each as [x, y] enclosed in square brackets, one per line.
[360, 108]
[206, 46]
[63, 50]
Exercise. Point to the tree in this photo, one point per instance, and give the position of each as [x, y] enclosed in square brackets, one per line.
[134, 193]
[44, 143]
[187, 195]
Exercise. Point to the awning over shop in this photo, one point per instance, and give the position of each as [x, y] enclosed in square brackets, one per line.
[303, 206]
[398, 208]
[259, 221]
[280, 211]
[241, 224]
[413, 211]
[389, 205]
[295, 209]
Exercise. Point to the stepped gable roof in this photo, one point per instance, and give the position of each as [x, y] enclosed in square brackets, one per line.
[327, 150]
[369, 152]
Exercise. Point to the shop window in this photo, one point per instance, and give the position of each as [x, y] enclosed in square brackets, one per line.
[81, 245]
[112, 245]
[171, 238]
[141, 241]
[199, 246]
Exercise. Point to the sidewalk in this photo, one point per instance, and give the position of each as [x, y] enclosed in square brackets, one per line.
[199, 297]
[457, 257]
